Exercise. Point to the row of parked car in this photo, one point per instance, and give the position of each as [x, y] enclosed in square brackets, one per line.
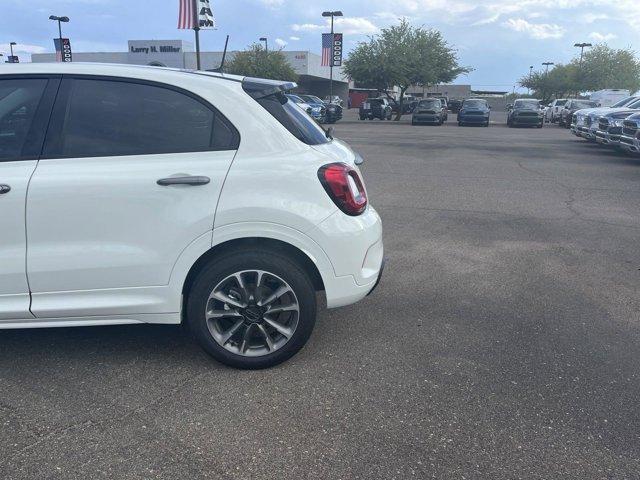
[323, 111]
[617, 126]
[434, 111]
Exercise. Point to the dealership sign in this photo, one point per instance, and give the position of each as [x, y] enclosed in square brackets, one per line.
[63, 49]
[150, 47]
[337, 50]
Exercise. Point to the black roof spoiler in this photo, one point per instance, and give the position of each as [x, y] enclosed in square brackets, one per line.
[261, 87]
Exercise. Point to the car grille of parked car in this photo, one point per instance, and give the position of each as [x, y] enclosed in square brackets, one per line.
[427, 112]
[474, 113]
[603, 124]
[528, 114]
[630, 128]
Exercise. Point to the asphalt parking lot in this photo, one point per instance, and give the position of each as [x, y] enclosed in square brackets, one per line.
[502, 343]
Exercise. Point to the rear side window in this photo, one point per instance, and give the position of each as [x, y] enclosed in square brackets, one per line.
[294, 119]
[112, 118]
[19, 100]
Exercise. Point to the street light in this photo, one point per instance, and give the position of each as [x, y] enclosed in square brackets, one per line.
[336, 13]
[60, 20]
[546, 64]
[530, 74]
[582, 46]
[266, 43]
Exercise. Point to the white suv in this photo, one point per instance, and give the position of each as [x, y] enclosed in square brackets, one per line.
[145, 195]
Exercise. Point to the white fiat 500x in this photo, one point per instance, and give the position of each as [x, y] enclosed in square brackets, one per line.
[148, 195]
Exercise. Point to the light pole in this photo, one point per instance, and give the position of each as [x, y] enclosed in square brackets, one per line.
[336, 13]
[546, 77]
[546, 64]
[581, 46]
[60, 20]
[530, 74]
[266, 44]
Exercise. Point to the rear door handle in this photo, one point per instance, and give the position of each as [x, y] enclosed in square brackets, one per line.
[4, 189]
[186, 180]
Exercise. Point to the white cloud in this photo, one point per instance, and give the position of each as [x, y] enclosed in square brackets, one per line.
[348, 26]
[280, 42]
[591, 17]
[602, 37]
[272, 3]
[539, 31]
[294, 39]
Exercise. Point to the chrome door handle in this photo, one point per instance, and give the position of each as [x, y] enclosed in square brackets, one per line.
[4, 189]
[186, 180]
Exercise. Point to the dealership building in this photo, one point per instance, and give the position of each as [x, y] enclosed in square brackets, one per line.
[312, 77]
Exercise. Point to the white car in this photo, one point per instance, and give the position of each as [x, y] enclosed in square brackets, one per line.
[552, 112]
[133, 195]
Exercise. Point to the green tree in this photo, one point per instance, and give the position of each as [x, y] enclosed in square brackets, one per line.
[602, 67]
[605, 67]
[257, 62]
[402, 56]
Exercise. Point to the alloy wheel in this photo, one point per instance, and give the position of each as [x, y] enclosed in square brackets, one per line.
[252, 313]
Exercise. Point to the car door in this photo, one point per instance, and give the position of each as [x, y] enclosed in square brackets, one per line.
[25, 104]
[130, 175]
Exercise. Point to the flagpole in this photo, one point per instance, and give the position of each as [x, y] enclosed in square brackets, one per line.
[196, 29]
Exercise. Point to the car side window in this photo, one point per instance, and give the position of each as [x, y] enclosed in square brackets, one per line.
[113, 117]
[19, 100]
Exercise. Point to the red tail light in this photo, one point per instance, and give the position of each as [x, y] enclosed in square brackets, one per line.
[344, 186]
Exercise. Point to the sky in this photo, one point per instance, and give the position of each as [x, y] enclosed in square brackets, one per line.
[499, 39]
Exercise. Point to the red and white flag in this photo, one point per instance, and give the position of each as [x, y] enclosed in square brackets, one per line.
[195, 13]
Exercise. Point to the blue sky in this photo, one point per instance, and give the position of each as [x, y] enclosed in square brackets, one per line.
[498, 38]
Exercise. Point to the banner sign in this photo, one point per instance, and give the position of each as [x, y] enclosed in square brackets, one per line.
[203, 15]
[63, 49]
[337, 49]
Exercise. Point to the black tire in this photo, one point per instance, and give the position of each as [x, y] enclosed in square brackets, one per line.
[460, 124]
[362, 118]
[486, 124]
[541, 125]
[269, 261]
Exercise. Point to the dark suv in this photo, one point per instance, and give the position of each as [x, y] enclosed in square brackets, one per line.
[525, 112]
[376, 108]
[571, 107]
[429, 110]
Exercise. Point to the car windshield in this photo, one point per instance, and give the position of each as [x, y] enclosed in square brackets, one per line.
[625, 102]
[474, 104]
[527, 104]
[295, 98]
[311, 99]
[634, 105]
[429, 103]
[583, 104]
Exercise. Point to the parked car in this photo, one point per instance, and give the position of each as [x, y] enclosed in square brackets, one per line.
[610, 127]
[429, 110]
[318, 112]
[408, 104]
[334, 99]
[630, 138]
[584, 122]
[571, 107]
[552, 114]
[525, 112]
[609, 97]
[332, 111]
[454, 105]
[474, 111]
[167, 196]
[376, 108]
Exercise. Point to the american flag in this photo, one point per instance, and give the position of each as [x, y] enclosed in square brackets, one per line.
[187, 16]
[327, 49]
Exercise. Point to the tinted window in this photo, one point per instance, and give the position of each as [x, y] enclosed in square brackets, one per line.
[528, 104]
[19, 100]
[294, 119]
[560, 102]
[583, 104]
[474, 103]
[107, 118]
[429, 104]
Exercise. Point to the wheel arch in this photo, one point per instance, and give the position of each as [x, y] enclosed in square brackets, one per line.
[248, 243]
